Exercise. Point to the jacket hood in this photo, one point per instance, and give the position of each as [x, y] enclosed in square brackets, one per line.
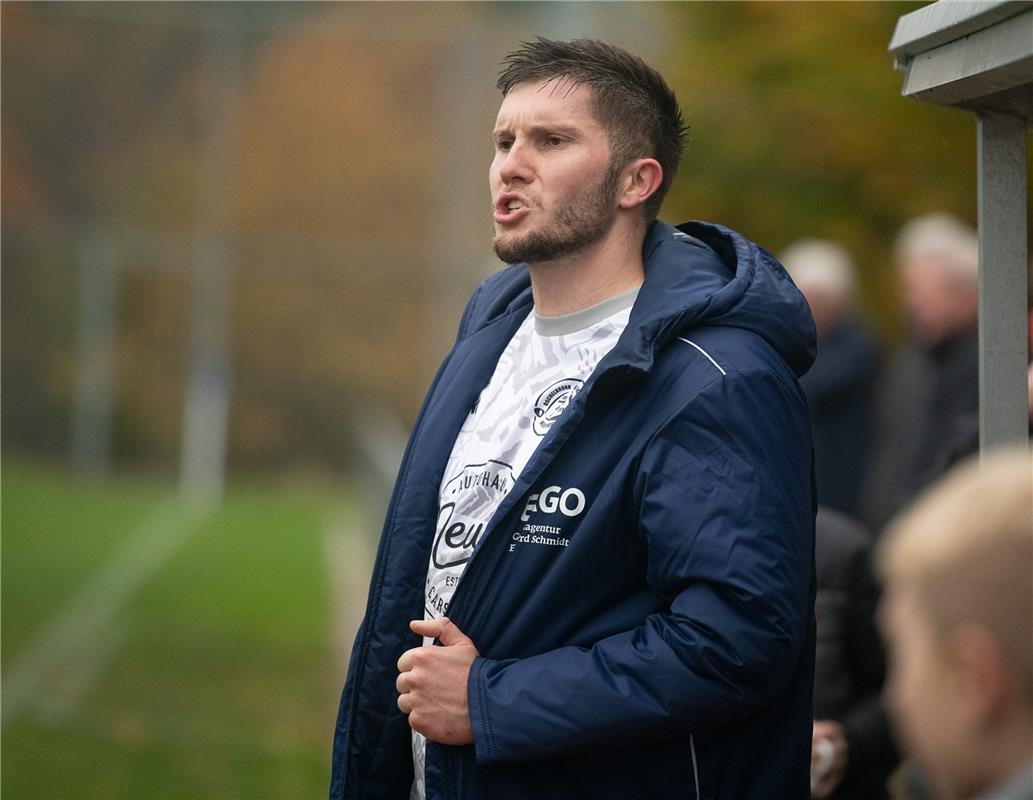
[702, 274]
[696, 274]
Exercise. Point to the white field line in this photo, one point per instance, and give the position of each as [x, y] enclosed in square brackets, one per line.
[64, 688]
[349, 564]
[71, 634]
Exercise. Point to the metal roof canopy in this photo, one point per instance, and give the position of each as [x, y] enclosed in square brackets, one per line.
[979, 56]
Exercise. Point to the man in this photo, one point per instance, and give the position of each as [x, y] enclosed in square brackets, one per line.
[607, 491]
[931, 399]
[956, 612]
[839, 387]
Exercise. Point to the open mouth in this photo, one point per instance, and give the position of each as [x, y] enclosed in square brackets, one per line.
[509, 209]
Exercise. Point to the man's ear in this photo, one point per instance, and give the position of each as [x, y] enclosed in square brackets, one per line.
[639, 181]
[986, 684]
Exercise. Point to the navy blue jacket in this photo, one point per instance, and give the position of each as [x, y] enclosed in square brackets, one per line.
[666, 650]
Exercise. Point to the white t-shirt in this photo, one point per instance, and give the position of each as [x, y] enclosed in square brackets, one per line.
[542, 368]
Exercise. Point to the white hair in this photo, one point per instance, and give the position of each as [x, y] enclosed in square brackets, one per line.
[941, 239]
[821, 265]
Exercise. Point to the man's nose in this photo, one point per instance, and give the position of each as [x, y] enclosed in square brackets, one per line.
[515, 165]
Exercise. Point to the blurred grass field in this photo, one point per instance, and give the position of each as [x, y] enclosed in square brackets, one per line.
[206, 668]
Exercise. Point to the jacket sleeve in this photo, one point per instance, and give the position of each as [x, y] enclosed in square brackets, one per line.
[723, 493]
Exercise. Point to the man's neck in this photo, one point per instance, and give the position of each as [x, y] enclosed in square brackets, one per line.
[609, 267]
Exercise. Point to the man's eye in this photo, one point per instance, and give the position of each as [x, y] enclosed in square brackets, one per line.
[553, 141]
[504, 145]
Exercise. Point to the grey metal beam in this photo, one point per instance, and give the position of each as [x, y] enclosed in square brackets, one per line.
[1003, 275]
[939, 23]
[985, 62]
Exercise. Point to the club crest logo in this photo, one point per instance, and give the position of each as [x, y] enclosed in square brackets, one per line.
[470, 497]
[551, 402]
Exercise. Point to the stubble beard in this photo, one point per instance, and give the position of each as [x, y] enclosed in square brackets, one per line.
[574, 228]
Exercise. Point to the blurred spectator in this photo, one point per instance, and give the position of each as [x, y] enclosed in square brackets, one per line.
[849, 667]
[930, 398]
[957, 611]
[840, 384]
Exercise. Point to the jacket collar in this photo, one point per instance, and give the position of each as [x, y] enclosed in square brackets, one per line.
[696, 273]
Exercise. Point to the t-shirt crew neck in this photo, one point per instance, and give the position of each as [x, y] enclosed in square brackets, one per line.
[586, 317]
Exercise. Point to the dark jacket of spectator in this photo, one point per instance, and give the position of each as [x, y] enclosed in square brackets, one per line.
[849, 661]
[952, 401]
[839, 389]
[930, 399]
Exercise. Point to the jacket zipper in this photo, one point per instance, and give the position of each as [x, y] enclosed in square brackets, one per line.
[695, 766]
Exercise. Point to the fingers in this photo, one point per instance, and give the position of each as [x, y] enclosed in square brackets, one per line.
[451, 635]
[405, 663]
[404, 692]
[427, 627]
[405, 703]
[443, 629]
[822, 790]
[402, 685]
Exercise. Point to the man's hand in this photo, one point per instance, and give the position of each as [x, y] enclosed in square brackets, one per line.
[830, 773]
[432, 683]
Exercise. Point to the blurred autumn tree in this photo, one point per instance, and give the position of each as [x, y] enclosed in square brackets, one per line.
[341, 118]
[104, 127]
[96, 133]
[798, 129]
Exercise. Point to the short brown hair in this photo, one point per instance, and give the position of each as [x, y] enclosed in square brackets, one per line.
[630, 99]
